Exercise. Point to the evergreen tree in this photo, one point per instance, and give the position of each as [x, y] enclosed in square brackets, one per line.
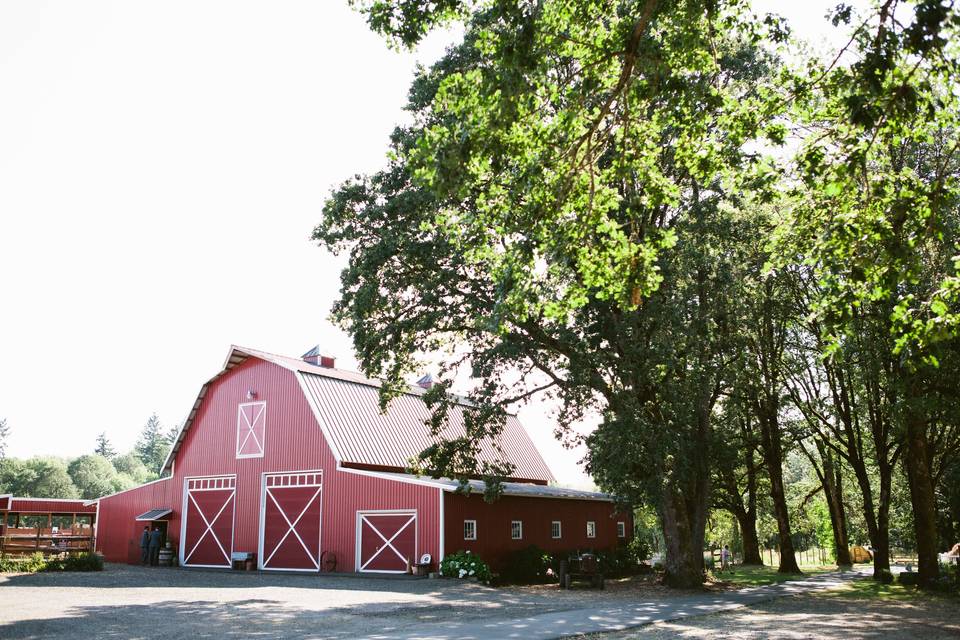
[4, 434]
[104, 448]
[153, 445]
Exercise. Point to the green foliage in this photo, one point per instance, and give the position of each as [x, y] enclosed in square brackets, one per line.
[130, 466]
[622, 561]
[884, 576]
[36, 563]
[39, 477]
[93, 476]
[589, 204]
[464, 564]
[566, 206]
[526, 566]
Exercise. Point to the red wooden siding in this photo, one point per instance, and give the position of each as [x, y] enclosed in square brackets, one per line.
[494, 540]
[118, 535]
[293, 442]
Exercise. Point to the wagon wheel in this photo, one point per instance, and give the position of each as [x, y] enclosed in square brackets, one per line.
[328, 561]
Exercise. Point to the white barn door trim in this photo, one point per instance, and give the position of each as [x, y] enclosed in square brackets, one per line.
[210, 516]
[368, 517]
[274, 482]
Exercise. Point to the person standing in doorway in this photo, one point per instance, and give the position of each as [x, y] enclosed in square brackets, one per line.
[155, 536]
[145, 546]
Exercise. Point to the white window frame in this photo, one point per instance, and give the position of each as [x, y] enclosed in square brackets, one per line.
[559, 525]
[516, 534]
[621, 529]
[249, 432]
[591, 529]
[472, 523]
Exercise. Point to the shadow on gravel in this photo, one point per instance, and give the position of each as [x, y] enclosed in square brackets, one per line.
[173, 620]
[134, 577]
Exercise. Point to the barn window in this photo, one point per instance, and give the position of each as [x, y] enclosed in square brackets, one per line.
[251, 429]
[469, 529]
[516, 530]
[591, 529]
[621, 529]
[556, 532]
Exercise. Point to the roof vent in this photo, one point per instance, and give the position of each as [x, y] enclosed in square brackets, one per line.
[426, 381]
[315, 358]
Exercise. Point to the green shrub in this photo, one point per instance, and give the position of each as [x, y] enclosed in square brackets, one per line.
[622, 561]
[37, 562]
[464, 564]
[527, 566]
[79, 562]
[907, 578]
[883, 576]
[640, 549]
[29, 564]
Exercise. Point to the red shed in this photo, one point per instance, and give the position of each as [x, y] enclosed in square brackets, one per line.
[292, 460]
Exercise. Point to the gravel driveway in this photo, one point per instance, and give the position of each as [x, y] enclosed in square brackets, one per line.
[135, 602]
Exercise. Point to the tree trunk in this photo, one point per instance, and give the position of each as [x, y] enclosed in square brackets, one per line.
[881, 540]
[684, 541]
[922, 498]
[751, 544]
[833, 492]
[748, 523]
[684, 509]
[773, 457]
[877, 519]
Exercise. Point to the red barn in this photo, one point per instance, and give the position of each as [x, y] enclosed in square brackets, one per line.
[291, 459]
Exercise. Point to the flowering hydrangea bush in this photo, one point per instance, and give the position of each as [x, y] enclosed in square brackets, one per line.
[464, 564]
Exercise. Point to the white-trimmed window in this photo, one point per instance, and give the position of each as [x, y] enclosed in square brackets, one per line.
[469, 529]
[556, 530]
[516, 530]
[621, 529]
[251, 429]
[591, 529]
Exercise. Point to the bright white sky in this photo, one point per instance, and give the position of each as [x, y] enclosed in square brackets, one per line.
[161, 168]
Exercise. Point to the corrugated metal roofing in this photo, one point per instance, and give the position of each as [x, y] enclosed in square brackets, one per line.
[153, 514]
[363, 435]
[348, 404]
[49, 505]
[523, 489]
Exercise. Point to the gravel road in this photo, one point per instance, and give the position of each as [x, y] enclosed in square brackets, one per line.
[137, 602]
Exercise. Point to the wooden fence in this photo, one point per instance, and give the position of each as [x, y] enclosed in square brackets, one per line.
[27, 541]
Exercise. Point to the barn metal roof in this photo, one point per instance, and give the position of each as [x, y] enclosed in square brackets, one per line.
[346, 404]
[363, 435]
[153, 514]
[520, 489]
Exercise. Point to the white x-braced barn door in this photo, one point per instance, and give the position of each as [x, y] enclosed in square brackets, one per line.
[207, 535]
[290, 521]
[386, 540]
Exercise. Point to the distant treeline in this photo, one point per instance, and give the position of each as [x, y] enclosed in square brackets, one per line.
[91, 475]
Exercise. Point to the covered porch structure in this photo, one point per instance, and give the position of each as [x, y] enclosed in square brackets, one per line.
[45, 525]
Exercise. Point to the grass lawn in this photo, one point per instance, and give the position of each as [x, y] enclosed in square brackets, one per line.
[756, 576]
[870, 589]
[859, 609]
